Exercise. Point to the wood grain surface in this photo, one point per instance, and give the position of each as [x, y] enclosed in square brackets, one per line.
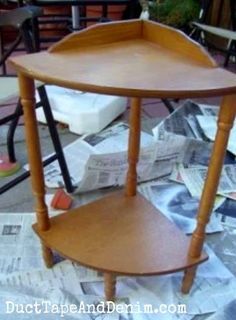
[123, 233]
[120, 234]
[132, 58]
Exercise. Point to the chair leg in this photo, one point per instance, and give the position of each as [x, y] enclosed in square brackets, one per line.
[8, 52]
[2, 64]
[230, 52]
[30, 35]
[188, 279]
[168, 105]
[110, 286]
[11, 133]
[35, 34]
[26, 37]
[55, 139]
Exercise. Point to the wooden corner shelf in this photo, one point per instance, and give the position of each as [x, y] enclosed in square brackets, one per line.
[130, 58]
[123, 233]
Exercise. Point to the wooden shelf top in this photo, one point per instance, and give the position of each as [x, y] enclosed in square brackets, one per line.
[120, 234]
[130, 58]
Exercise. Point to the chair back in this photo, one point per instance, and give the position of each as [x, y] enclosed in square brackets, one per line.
[21, 19]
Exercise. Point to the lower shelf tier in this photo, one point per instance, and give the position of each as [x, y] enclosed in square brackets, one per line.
[120, 234]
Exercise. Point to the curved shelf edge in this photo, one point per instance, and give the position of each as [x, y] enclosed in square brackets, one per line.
[122, 235]
[163, 35]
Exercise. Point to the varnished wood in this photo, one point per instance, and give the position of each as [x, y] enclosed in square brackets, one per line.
[120, 234]
[27, 89]
[134, 144]
[47, 256]
[110, 286]
[100, 36]
[123, 233]
[33, 147]
[178, 42]
[155, 67]
[225, 122]
[188, 279]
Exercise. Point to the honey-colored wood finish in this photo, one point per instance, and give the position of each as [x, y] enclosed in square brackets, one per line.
[123, 233]
[27, 90]
[120, 234]
[188, 279]
[110, 286]
[225, 122]
[134, 144]
[131, 63]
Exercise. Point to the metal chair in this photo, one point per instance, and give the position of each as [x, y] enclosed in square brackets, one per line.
[21, 20]
[196, 32]
[201, 29]
[71, 15]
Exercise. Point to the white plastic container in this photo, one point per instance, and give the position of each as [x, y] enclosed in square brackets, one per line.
[83, 112]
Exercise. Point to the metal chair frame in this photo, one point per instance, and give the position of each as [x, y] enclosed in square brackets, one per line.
[200, 28]
[21, 19]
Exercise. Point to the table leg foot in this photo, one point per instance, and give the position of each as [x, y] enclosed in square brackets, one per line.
[110, 286]
[47, 256]
[188, 279]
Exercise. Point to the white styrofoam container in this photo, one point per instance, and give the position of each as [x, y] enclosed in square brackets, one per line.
[83, 112]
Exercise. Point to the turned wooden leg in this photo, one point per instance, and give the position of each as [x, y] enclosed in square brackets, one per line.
[110, 286]
[47, 256]
[225, 122]
[27, 92]
[134, 146]
[189, 275]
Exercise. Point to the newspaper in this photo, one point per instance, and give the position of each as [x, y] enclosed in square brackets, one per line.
[114, 139]
[226, 313]
[213, 287]
[195, 152]
[209, 110]
[67, 283]
[76, 156]
[77, 153]
[66, 275]
[194, 179]
[225, 247]
[182, 125]
[209, 126]
[103, 159]
[19, 246]
[155, 161]
[103, 162]
[227, 221]
[182, 122]
[227, 210]
[110, 169]
[192, 121]
[175, 202]
[176, 176]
